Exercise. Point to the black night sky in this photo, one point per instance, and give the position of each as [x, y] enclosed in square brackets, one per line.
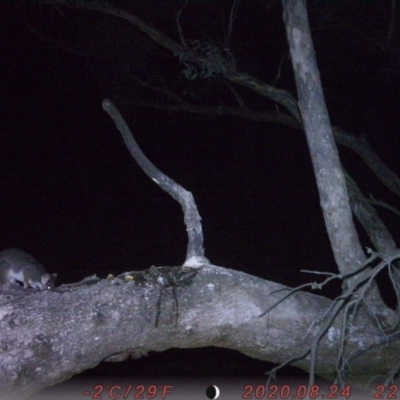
[73, 197]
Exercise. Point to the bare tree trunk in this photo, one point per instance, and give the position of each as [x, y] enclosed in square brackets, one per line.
[328, 171]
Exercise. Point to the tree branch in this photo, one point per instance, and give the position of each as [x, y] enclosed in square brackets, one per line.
[90, 323]
[72, 328]
[195, 252]
[331, 183]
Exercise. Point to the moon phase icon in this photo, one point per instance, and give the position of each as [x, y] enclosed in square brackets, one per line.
[213, 392]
